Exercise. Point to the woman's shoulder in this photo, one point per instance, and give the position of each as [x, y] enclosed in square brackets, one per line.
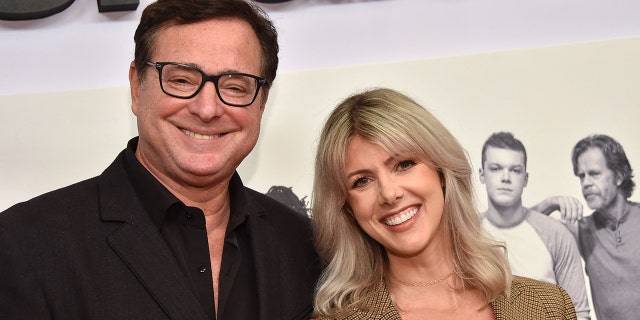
[533, 297]
[377, 305]
[528, 284]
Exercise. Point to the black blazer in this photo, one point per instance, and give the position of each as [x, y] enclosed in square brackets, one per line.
[90, 251]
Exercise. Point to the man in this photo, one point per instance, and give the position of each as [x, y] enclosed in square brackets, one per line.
[539, 247]
[168, 231]
[608, 239]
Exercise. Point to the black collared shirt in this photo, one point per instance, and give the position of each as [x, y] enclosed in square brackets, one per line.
[183, 229]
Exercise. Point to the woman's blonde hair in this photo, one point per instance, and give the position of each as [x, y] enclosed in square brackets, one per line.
[354, 261]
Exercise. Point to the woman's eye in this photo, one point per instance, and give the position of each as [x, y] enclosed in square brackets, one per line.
[360, 182]
[406, 164]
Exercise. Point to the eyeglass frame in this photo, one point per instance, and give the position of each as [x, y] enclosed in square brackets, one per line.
[206, 78]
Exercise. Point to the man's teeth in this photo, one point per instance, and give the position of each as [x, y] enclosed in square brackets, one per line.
[402, 217]
[199, 136]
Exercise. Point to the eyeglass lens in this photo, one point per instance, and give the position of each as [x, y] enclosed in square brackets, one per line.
[234, 89]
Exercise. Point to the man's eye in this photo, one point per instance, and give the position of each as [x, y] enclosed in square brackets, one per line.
[181, 82]
[234, 89]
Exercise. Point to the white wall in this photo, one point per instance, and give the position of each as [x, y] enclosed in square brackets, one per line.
[81, 48]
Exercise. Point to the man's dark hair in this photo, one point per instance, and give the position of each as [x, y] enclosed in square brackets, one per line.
[165, 13]
[614, 154]
[503, 140]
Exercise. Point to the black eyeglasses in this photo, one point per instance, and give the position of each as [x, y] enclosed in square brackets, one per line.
[185, 81]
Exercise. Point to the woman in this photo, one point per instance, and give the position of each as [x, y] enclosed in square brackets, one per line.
[395, 220]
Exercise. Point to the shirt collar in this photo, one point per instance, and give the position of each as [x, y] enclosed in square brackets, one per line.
[602, 220]
[157, 199]
[239, 202]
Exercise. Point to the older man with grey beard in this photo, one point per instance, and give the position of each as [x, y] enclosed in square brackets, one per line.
[609, 240]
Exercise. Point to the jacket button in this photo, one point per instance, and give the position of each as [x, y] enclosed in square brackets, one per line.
[202, 269]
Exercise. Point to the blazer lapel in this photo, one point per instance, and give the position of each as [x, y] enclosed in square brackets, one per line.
[268, 272]
[279, 295]
[141, 247]
[521, 304]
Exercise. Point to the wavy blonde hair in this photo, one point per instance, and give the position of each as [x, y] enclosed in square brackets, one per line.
[354, 261]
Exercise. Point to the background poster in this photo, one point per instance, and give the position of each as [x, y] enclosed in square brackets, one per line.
[548, 97]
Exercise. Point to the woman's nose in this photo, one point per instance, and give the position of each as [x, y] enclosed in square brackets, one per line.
[389, 191]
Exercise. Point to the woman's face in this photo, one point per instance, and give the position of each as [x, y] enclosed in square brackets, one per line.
[397, 200]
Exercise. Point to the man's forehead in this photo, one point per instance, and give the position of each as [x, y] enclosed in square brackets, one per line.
[502, 154]
[593, 155]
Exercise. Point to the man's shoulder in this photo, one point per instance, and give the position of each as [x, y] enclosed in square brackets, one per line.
[60, 198]
[273, 219]
[545, 222]
[76, 195]
[634, 207]
[61, 211]
[272, 204]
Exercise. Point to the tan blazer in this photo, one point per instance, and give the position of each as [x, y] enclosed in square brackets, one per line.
[529, 300]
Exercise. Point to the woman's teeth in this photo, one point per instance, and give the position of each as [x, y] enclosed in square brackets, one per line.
[402, 217]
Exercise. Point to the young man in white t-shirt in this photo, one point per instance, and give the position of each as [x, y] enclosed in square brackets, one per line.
[538, 246]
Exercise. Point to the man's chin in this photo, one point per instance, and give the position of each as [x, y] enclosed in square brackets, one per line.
[504, 200]
[594, 205]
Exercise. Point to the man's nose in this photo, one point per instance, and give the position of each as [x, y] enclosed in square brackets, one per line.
[587, 181]
[506, 176]
[206, 104]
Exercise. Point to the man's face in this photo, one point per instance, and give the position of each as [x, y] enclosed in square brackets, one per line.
[504, 175]
[600, 185]
[199, 141]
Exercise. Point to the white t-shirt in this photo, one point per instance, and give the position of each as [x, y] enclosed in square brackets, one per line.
[542, 248]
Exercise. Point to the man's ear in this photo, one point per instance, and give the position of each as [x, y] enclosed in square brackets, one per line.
[619, 179]
[135, 86]
[481, 175]
[264, 97]
[526, 178]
